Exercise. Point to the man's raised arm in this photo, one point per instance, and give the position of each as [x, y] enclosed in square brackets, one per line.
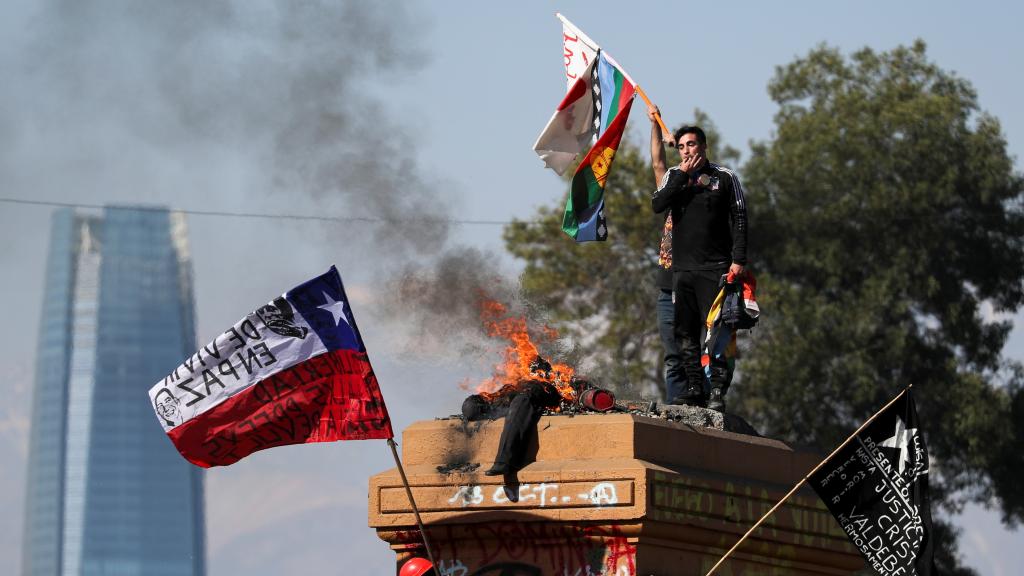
[658, 161]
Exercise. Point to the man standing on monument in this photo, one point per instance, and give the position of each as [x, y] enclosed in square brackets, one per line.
[675, 376]
[708, 212]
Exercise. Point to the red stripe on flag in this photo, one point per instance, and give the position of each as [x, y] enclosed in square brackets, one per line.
[626, 96]
[333, 396]
[578, 90]
[611, 138]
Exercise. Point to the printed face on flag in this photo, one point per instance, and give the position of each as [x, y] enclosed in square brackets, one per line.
[292, 371]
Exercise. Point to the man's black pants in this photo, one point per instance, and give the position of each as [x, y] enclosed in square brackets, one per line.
[695, 292]
[523, 413]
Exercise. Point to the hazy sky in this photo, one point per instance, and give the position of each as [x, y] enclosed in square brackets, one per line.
[409, 112]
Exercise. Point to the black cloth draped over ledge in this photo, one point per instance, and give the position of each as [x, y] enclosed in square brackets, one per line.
[522, 408]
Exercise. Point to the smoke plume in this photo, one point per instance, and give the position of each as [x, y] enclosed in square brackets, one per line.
[241, 106]
[141, 101]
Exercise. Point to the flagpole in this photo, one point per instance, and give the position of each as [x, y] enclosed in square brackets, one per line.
[586, 40]
[415, 510]
[804, 479]
[657, 116]
[579, 33]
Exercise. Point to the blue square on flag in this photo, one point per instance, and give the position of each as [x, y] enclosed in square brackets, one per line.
[322, 303]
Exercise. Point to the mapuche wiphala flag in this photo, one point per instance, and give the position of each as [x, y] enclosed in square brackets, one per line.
[292, 371]
[876, 486]
[591, 119]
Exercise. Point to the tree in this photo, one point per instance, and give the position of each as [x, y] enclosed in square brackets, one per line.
[602, 294]
[886, 218]
[887, 236]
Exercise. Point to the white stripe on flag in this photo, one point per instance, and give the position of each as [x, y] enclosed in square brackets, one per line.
[570, 130]
[578, 51]
[236, 360]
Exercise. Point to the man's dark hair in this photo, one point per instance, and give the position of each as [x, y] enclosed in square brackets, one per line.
[691, 130]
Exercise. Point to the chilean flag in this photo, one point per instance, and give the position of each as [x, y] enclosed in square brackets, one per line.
[290, 372]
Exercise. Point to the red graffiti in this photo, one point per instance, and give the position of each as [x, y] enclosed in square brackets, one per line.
[619, 549]
[554, 549]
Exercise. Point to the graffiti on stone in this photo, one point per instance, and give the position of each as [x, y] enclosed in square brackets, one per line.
[451, 568]
[541, 495]
[534, 548]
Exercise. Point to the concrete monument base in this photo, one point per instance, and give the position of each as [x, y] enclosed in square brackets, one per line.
[611, 494]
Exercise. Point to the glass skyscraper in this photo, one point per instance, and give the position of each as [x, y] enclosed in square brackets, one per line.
[107, 494]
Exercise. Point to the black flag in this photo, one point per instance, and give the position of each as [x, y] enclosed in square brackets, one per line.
[877, 488]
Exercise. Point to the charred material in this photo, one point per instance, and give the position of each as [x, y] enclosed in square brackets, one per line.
[706, 418]
[540, 367]
[547, 390]
[641, 407]
[522, 406]
[460, 467]
[476, 407]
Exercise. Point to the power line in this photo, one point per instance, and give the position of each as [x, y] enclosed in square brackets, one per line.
[220, 213]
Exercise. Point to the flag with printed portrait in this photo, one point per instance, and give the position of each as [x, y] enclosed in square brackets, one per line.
[292, 371]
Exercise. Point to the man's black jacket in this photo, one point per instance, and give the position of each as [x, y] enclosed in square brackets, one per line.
[709, 228]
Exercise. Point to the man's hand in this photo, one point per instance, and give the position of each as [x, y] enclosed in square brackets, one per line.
[736, 271]
[691, 163]
[652, 114]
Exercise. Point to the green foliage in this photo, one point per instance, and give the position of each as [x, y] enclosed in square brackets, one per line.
[887, 227]
[885, 216]
[887, 235]
[603, 294]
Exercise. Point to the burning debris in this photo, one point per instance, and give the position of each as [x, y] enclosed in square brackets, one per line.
[577, 397]
[525, 386]
[551, 386]
[522, 403]
[522, 360]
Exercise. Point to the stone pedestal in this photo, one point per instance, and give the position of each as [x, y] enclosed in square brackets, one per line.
[614, 494]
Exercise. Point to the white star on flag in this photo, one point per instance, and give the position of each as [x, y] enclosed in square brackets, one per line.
[901, 440]
[335, 307]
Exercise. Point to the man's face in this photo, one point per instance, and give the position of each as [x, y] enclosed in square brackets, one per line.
[167, 407]
[271, 314]
[689, 146]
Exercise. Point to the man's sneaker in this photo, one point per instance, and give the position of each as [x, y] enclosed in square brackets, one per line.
[692, 396]
[716, 401]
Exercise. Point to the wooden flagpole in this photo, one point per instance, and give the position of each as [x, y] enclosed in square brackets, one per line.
[804, 479]
[664, 130]
[415, 510]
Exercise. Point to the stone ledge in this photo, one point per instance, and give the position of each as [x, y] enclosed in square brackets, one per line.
[602, 436]
[613, 490]
[628, 494]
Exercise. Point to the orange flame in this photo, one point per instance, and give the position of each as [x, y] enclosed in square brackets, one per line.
[519, 355]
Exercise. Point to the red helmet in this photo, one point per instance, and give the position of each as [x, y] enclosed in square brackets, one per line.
[417, 567]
